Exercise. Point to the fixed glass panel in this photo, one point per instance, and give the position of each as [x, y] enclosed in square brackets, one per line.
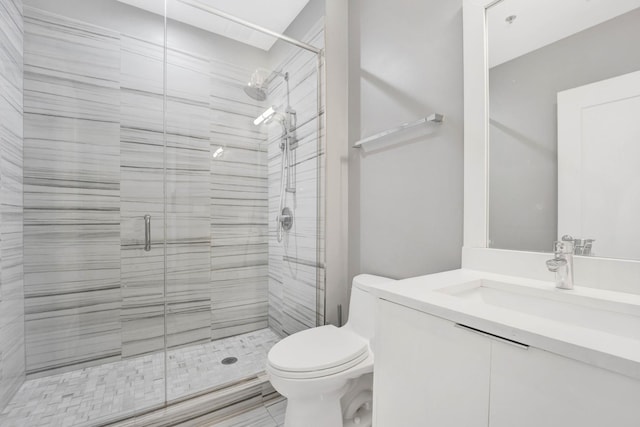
[92, 170]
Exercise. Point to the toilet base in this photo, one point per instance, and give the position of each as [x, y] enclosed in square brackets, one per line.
[346, 405]
[319, 412]
[357, 402]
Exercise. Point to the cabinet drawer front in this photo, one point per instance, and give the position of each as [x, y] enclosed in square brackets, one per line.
[536, 388]
[428, 372]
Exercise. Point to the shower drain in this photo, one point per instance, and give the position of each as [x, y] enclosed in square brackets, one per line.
[229, 360]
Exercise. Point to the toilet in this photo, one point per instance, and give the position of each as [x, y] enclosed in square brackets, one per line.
[326, 373]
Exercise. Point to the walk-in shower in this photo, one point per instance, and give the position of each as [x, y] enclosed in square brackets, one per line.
[140, 251]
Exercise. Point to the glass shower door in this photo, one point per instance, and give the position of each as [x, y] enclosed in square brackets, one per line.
[216, 212]
[142, 159]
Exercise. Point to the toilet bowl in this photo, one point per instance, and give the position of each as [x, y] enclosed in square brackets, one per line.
[326, 373]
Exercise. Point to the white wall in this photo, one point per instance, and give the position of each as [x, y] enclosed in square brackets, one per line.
[405, 200]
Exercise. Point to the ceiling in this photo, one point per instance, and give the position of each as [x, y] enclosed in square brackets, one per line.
[275, 15]
[541, 22]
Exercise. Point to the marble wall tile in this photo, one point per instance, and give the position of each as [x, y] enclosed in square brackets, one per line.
[296, 265]
[187, 196]
[12, 350]
[71, 193]
[238, 190]
[96, 148]
[188, 200]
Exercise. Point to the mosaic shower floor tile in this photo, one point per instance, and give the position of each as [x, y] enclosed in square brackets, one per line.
[97, 394]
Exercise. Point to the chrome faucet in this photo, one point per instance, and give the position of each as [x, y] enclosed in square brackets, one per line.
[562, 264]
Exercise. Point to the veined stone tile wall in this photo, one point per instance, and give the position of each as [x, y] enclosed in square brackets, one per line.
[296, 264]
[239, 203]
[12, 349]
[94, 155]
[71, 193]
[141, 193]
[94, 164]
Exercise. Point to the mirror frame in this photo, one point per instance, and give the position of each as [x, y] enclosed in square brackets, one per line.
[476, 130]
[591, 271]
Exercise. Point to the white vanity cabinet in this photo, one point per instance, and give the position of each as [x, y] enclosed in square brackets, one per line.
[430, 372]
[533, 388]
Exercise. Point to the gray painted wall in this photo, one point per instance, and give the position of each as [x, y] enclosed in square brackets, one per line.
[523, 132]
[405, 200]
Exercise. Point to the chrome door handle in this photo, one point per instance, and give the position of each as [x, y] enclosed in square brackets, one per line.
[147, 233]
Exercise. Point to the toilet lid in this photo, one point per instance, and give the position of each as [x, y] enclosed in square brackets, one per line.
[317, 349]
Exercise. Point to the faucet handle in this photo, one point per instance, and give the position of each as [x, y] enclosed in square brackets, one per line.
[588, 245]
[563, 246]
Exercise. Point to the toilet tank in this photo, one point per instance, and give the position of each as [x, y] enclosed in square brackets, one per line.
[362, 305]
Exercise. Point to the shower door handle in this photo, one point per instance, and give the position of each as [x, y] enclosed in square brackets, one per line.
[147, 233]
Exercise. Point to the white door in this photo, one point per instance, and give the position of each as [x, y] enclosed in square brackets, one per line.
[599, 165]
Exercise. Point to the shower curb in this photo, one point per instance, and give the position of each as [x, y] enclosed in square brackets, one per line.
[209, 408]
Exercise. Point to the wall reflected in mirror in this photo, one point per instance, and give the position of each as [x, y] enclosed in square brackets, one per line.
[564, 128]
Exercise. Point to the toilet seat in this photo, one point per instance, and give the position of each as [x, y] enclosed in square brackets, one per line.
[317, 352]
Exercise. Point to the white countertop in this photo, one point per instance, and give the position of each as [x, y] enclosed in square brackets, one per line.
[605, 350]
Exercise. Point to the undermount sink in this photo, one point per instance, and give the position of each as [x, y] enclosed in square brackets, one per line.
[578, 309]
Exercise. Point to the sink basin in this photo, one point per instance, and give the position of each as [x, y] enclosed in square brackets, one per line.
[579, 309]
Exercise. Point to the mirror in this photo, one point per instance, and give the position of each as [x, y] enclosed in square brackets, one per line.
[564, 125]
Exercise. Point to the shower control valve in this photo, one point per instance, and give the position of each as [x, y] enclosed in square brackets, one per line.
[285, 219]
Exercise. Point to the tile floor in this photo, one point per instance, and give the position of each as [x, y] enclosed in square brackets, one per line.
[97, 394]
[269, 415]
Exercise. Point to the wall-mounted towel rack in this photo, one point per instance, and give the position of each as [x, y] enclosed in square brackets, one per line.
[433, 118]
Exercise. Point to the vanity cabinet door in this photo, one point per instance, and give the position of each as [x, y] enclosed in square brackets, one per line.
[428, 372]
[534, 388]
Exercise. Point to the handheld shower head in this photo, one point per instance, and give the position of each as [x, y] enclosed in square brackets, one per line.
[273, 115]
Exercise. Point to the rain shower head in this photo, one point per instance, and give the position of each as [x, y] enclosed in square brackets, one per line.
[256, 88]
[255, 92]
